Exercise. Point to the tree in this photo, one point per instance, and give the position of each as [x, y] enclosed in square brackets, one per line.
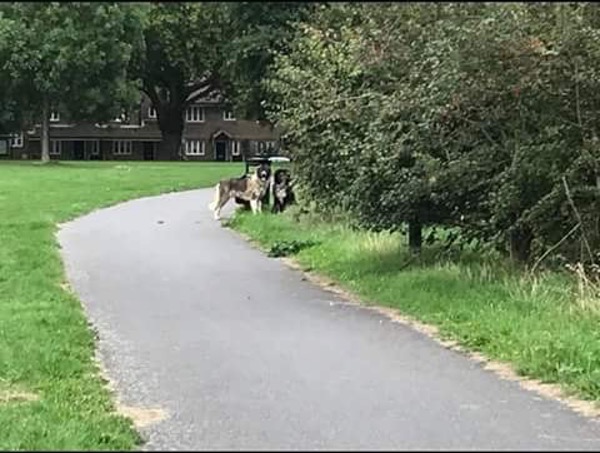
[481, 117]
[357, 139]
[258, 31]
[70, 57]
[180, 61]
[10, 117]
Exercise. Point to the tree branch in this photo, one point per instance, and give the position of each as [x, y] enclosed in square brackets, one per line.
[554, 247]
[151, 93]
[583, 235]
[201, 88]
[577, 97]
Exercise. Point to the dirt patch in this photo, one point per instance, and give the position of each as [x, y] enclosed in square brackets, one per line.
[140, 416]
[501, 369]
[13, 394]
[66, 287]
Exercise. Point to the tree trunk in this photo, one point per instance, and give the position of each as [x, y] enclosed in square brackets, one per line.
[170, 145]
[170, 122]
[520, 240]
[45, 135]
[415, 235]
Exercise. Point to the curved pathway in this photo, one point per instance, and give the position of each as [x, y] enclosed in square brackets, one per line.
[241, 353]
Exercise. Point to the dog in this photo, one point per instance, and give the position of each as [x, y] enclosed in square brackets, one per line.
[264, 200]
[283, 193]
[249, 188]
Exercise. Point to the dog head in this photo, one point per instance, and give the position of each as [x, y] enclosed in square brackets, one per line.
[282, 184]
[263, 172]
[282, 177]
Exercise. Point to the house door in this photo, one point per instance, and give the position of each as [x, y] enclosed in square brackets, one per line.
[78, 150]
[148, 150]
[220, 150]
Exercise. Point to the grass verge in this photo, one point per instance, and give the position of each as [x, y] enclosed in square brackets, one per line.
[51, 394]
[533, 323]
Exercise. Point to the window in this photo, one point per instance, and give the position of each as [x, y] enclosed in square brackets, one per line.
[121, 147]
[194, 114]
[235, 148]
[55, 147]
[194, 147]
[253, 146]
[261, 147]
[151, 112]
[3, 147]
[54, 117]
[228, 115]
[92, 148]
[17, 140]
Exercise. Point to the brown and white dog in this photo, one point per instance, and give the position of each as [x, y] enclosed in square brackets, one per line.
[250, 188]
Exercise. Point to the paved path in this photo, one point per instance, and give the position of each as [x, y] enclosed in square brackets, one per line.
[243, 354]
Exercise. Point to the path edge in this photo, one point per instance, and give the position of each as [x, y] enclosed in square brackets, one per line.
[503, 370]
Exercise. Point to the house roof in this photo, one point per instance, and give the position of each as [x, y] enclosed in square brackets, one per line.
[148, 132]
[237, 130]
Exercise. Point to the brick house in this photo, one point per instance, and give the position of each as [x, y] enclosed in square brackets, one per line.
[211, 133]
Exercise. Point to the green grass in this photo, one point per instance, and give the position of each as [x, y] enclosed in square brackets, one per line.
[534, 323]
[46, 347]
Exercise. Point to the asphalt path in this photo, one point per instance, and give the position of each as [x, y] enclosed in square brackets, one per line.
[239, 352]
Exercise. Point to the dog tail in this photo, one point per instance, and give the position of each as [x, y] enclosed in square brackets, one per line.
[213, 204]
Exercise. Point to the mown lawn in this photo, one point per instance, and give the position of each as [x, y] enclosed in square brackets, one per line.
[535, 323]
[51, 396]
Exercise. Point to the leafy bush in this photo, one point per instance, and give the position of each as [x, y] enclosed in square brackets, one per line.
[480, 117]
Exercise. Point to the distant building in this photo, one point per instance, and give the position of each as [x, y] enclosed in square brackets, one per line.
[211, 133]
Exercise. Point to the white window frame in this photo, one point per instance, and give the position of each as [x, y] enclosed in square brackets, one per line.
[194, 147]
[194, 114]
[55, 147]
[235, 148]
[93, 147]
[270, 144]
[228, 115]
[54, 117]
[16, 140]
[122, 147]
[152, 113]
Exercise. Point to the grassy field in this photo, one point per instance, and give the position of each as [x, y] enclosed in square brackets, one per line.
[537, 324]
[51, 396]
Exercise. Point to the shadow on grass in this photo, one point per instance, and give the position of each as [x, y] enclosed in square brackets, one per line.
[370, 258]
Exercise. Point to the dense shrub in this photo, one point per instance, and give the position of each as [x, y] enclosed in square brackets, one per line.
[481, 116]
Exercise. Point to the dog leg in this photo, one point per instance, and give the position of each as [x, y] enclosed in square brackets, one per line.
[215, 205]
[254, 206]
[222, 202]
